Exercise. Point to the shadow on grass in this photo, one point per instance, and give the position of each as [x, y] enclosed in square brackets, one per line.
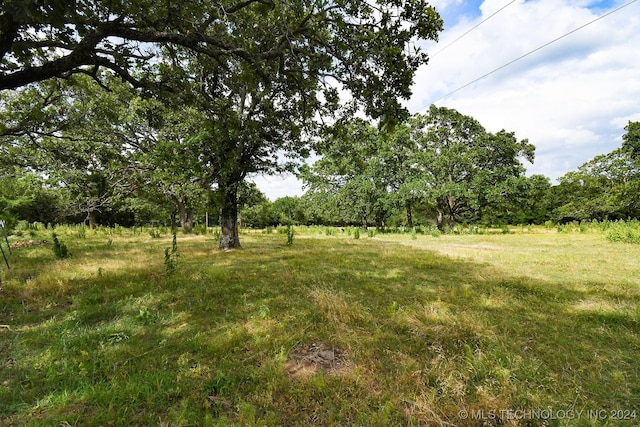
[423, 336]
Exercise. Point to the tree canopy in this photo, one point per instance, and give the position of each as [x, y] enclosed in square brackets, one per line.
[442, 159]
[366, 47]
[262, 76]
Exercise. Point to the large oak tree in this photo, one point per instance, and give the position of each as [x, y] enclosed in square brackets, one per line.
[266, 73]
[464, 167]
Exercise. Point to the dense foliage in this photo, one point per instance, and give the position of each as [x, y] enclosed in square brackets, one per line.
[137, 113]
[239, 87]
[368, 178]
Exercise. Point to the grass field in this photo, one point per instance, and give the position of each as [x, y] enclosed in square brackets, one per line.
[532, 328]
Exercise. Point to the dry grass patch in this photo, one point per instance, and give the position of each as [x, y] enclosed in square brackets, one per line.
[335, 308]
[306, 360]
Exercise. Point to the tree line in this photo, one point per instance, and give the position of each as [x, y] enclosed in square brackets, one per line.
[441, 167]
[142, 112]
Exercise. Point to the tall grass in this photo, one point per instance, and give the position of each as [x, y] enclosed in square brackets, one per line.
[624, 232]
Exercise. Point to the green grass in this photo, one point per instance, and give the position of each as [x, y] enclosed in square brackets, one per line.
[331, 330]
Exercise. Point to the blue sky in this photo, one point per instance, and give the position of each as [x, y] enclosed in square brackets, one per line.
[454, 11]
[570, 99]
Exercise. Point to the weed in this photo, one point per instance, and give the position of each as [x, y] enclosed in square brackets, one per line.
[155, 233]
[289, 235]
[263, 312]
[145, 316]
[584, 226]
[171, 257]
[356, 233]
[624, 232]
[59, 248]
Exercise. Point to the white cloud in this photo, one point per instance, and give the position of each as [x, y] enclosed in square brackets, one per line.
[276, 186]
[571, 99]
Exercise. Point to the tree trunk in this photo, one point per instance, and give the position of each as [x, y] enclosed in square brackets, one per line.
[451, 207]
[440, 220]
[380, 220]
[91, 219]
[230, 237]
[189, 220]
[174, 223]
[409, 208]
[186, 214]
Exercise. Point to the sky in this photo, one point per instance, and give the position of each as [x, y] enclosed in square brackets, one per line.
[571, 98]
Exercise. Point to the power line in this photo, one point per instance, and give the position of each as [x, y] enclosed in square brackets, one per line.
[533, 51]
[473, 28]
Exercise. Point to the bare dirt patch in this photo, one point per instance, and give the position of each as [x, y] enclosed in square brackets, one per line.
[309, 359]
[28, 244]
